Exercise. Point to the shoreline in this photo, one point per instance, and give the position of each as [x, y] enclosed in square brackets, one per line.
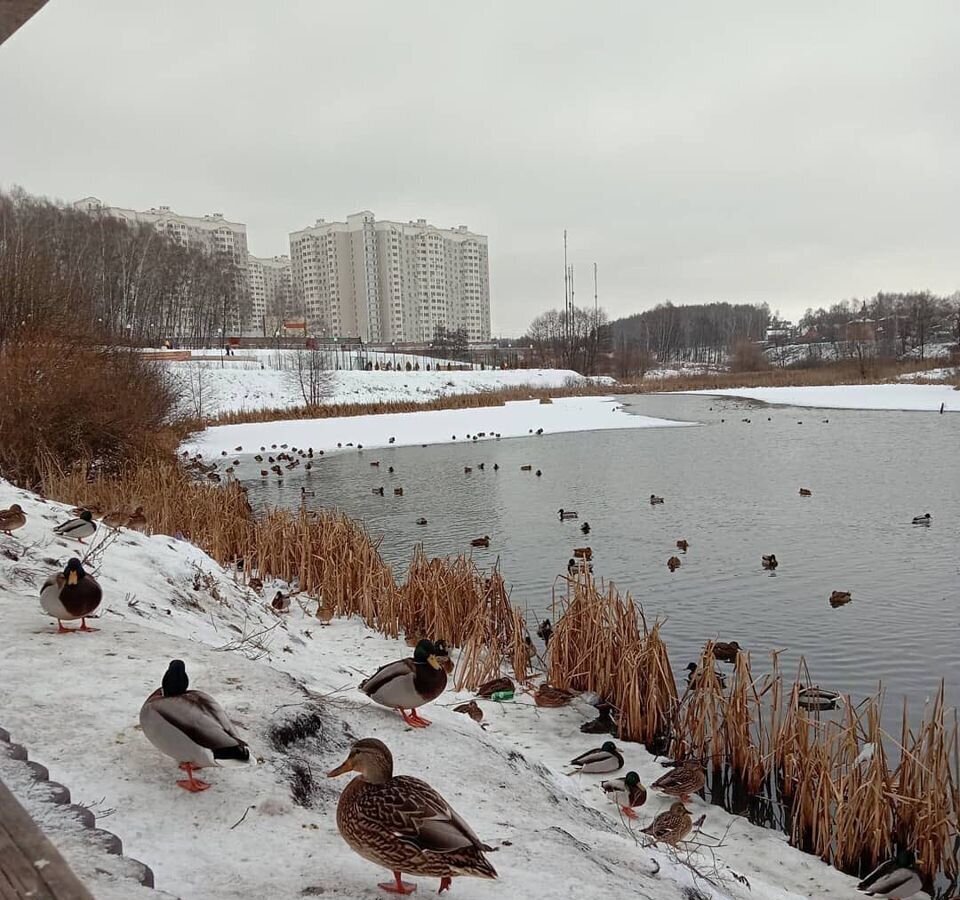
[266, 669]
[520, 418]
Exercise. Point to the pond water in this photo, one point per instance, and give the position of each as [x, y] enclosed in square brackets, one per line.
[731, 490]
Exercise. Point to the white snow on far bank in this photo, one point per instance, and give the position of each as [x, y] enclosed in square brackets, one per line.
[209, 388]
[73, 701]
[927, 397]
[930, 375]
[516, 419]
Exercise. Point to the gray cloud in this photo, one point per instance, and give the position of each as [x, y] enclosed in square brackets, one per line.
[796, 154]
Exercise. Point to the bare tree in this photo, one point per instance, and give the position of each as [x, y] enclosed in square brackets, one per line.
[312, 376]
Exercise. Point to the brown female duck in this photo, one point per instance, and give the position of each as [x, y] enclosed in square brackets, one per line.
[403, 824]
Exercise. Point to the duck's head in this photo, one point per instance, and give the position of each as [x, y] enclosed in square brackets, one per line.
[175, 680]
[74, 571]
[370, 758]
[16, 508]
[609, 747]
[429, 653]
[86, 515]
[631, 779]
[138, 511]
[678, 809]
[691, 667]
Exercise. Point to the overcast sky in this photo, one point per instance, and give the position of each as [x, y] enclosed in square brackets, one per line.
[794, 153]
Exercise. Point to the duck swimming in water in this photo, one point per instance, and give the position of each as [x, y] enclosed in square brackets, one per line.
[925, 519]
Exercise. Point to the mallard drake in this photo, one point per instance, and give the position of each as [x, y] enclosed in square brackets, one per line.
[410, 683]
[673, 563]
[566, 514]
[896, 878]
[628, 792]
[682, 545]
[421, 521]
[69, 595]
[585, 528]
[281, 602]
[603, 723]
[403, 824]
[769, 562]
[545, 632]
[683, 780]
[12, 518]
[191, 727]
[925, 519]
[672, 825]
[654, 499]
[599, 761]
[481, 541]
[137, 520]
[79, 528]
[839, 598]
[726, 651]
[806, 492]
[467, 470]
[526, 468]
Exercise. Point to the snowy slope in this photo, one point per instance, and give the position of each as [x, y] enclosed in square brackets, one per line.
[241, 384]
[74, 700]
[516, 419]
[851, 396]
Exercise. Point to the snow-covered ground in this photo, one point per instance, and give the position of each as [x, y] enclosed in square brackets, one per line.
[926, 397]
[931, 375]
[520, 418]
[73, 701]
[238, 384]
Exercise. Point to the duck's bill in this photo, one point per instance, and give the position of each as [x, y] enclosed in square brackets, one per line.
[346, 766]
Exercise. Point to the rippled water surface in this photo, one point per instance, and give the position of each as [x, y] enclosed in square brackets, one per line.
[731, 490]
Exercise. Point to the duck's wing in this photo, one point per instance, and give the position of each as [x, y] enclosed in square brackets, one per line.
[68, 526]
[402, 668]
[882, 873]
[417, 815]
[591, 756]
[200, 718]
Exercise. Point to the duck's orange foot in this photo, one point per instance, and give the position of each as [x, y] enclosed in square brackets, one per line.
[85, 627]
[420, 719]
[412, 719]
[397, 886]
[445, 883]
[62, 630]
[628, 812]
[194, 785]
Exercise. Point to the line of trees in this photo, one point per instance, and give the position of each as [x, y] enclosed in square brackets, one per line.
[96, 275]
[575, 339]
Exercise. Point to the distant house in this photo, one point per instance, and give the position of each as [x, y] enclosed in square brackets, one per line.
[862, 331]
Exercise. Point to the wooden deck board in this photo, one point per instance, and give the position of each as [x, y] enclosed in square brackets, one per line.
[22, 846]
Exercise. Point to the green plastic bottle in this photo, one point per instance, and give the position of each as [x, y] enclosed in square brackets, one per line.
[500, 696]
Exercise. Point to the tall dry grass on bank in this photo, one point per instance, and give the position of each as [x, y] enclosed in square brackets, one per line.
[601, 642]
[841, 801]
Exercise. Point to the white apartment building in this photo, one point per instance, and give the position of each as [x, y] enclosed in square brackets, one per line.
[391, 281]
[271, 294]
[210, 233]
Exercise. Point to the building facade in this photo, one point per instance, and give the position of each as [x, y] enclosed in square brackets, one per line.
[271, 294]
[212, 234]
[388, 281]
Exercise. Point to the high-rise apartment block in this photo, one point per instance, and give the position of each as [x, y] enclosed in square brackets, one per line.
[391, 281]
[271, 294]
[211, 234]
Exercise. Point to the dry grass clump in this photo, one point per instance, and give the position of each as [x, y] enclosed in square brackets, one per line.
[71, 401]
[218, 519]
[851, 793]
[601, 643]
[453, 600]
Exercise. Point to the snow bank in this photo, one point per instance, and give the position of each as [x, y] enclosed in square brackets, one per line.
[74, 701]
[516, 419]
[240, 385]
[930, 375]
[851, 396]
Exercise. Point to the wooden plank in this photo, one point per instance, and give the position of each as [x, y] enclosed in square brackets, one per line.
[22, 845]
